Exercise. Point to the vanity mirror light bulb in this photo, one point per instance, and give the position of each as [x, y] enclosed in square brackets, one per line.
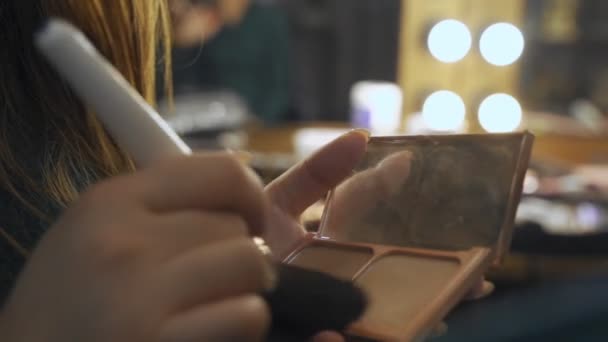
[449, 41]
[444, 111]
[377, 106]
[500, 113]
[501, 44]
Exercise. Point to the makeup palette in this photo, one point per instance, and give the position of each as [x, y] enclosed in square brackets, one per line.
[417, 225]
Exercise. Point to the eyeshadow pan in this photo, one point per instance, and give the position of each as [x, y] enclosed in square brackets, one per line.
[401, 285]
[341, 262]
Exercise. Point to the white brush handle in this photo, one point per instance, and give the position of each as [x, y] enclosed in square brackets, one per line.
[130, 120]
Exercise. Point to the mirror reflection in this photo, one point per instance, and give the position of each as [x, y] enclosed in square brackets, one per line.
[442, 193]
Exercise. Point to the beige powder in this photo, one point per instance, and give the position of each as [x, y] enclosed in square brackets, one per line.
[401, 285]
[341, 262]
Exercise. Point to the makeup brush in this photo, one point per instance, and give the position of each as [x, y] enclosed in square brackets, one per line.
[304, 302]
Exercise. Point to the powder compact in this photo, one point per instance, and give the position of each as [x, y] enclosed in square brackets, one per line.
[417, 225]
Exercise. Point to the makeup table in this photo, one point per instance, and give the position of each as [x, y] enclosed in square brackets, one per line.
[568, 149]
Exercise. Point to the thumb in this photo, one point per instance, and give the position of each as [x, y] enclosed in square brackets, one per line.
[311, 179]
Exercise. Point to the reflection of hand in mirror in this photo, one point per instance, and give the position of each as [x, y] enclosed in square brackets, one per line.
[449, 196]
[356, 196]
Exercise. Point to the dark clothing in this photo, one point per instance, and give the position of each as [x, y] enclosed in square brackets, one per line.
[24, 226]
[26, 229]
[249, 59]
[565, 310]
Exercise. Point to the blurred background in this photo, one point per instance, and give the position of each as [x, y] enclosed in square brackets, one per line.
[281, 78]
[394, 67]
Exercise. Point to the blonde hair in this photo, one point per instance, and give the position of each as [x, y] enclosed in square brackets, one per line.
[35, 105]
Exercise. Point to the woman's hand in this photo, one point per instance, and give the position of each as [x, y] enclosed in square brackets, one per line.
[307, 182]
[161, 255]
[304, 184]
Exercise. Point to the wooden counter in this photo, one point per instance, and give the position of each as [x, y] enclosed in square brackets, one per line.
[569, 150]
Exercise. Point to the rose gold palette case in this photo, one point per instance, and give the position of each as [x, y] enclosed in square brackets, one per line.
[418, 223]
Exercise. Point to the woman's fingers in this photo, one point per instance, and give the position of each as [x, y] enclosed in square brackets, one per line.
[379, 182]
[224, 269]
[166, 249]
[241, 318]
[188, 183]
[301, 186]
[328, 336]
[186, 230]
[393, 171]
[482, 289]
[360, 193]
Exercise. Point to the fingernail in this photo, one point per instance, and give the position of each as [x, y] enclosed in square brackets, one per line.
[243, 156]
[367, 134]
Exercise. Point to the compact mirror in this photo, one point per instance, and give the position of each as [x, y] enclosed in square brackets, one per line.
[434, 192]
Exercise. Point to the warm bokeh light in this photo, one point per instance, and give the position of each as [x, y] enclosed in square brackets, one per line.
[377, 106]
[531, 182]
[501, 44]
[449, 41]
[307, 141]
[500, 113]
[444, 110]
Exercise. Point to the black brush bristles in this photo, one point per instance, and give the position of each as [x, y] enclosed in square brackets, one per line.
[307, 302]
